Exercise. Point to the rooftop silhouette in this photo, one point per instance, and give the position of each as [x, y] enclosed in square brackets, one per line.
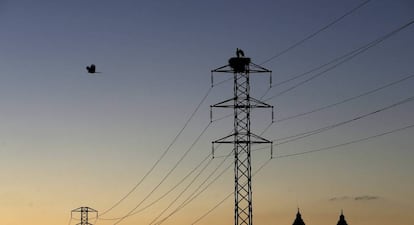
[298, 220]
[342, 220]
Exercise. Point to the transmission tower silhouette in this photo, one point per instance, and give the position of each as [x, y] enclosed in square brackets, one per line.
[242, 138]
[84, 214]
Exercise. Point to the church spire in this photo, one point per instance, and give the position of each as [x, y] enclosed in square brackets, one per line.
[342, 220]
[298, 220]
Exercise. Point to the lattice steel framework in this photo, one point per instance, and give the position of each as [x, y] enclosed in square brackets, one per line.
[84, 214]
[242, 137]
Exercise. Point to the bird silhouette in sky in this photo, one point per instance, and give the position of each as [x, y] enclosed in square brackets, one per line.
[92, 69]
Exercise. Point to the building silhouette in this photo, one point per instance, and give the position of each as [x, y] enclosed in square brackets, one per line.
[342, 220]
[299, 220]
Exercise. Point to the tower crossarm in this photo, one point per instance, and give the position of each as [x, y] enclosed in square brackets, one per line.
[230, 139]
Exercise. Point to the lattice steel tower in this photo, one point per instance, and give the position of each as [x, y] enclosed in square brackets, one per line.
[241, 67]
[84, 213]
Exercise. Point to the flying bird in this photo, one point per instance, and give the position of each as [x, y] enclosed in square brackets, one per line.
[92, 69]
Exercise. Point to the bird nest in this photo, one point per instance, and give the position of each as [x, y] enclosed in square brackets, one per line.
[239, 64]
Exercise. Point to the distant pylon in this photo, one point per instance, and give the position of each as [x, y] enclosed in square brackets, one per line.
[84, 214]
[241, 67]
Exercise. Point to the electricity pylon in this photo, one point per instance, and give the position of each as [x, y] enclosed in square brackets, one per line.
[84, 214]
[241, 67]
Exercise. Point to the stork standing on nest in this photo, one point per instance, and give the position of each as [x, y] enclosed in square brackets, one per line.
[239, 53]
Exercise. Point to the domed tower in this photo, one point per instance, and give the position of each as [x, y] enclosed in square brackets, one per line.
[298, 220]
[342, 220]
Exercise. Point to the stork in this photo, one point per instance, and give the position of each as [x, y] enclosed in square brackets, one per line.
[239, 53]
[92, 69]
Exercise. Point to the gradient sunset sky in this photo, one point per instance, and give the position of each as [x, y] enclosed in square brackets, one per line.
[69, 139]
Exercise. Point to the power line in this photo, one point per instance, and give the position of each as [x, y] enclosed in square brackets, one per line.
[194, 194]
[174, 140]
[308, 38]
[326, 128]
[313, 151]
[176, 185]
[178, 196]
[162, 156]
[298, 136]
[347, 99]
[166, 176]
[316, 32]
[345, 58]
[333, 104]
[182, 180]
[302, 41]
[229, 195]
[323, 129]
[189, 200]
[181, 193]
[330, 105]
[212, 209]
[172, 189]
[320, 66]
[347, 143]
[196, 177]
